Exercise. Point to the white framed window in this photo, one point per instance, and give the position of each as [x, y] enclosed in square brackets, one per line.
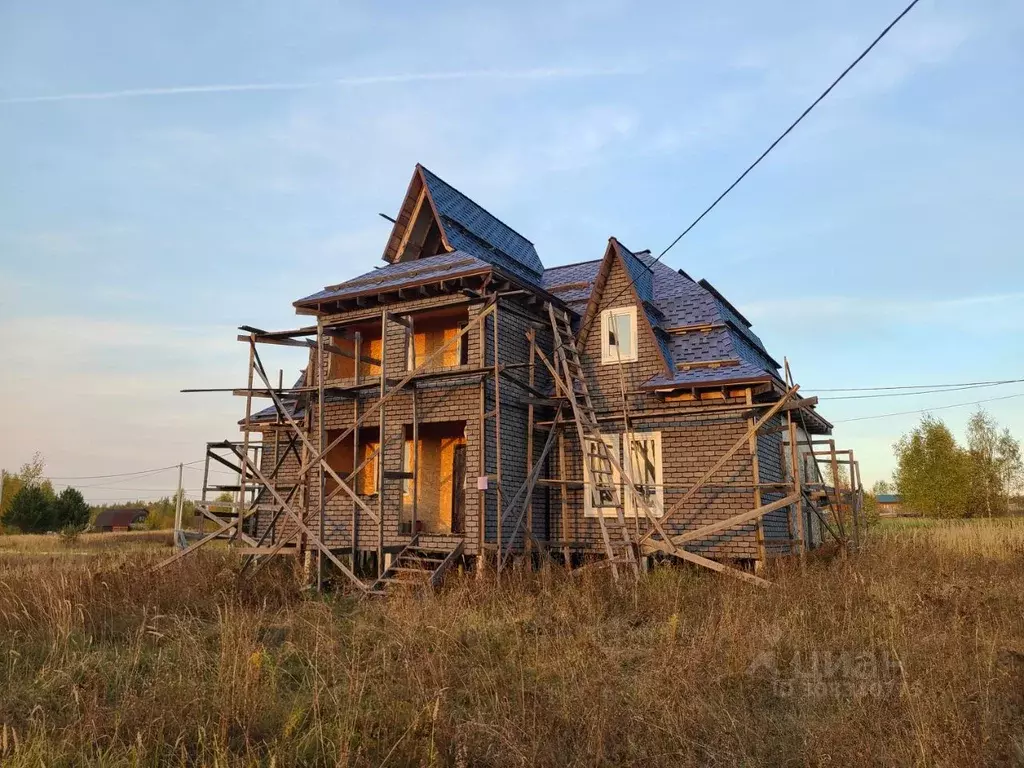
[645, 471]
[618, 335]
[600, 500]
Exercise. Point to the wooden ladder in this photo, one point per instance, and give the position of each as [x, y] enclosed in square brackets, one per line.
[599, 466]
[416, 566]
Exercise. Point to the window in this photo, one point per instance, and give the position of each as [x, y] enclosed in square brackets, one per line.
[340, 460]
[618, 335]
[433, 332]
[366, 481]
[600, 500]
[646, 474]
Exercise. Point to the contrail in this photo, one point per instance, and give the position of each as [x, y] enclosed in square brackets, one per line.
[552, 73]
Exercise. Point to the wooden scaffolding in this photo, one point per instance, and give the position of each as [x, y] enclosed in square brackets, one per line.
[297, 525]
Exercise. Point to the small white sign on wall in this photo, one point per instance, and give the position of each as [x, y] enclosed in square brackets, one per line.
[481, 483]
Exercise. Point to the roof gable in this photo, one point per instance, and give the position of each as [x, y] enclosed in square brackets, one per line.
[461, 224]
[640, 283]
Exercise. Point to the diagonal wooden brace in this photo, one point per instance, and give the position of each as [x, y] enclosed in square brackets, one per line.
[309, 445]
[299, 523]
[743, 441]
[376, 405]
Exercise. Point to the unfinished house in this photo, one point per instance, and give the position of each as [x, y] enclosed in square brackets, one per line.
[464, 405]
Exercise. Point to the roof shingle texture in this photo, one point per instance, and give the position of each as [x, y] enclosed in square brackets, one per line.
[403, 273]
[681, 302]
[454, 205]
[669, 299]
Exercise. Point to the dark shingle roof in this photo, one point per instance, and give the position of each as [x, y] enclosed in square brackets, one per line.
[680, 301]
[669, 298]
[396, 275]
[476, 222]
[119, 518]
[639, 272]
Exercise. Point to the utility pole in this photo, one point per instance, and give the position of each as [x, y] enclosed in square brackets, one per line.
[178, 536]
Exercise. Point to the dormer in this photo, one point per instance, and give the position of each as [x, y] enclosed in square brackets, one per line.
[436, 218]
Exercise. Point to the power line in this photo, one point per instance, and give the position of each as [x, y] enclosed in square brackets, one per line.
[125, 474]
[119, 488]
[942, 390]
[916, 386]
[927, 410]
[783, 135]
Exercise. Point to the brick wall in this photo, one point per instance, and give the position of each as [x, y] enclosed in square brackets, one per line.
[776, 525]
[694, 435]
[692, 438]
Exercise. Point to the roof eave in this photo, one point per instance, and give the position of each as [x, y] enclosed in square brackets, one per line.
[315, 304]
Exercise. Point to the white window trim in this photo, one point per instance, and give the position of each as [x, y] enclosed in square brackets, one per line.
[633, 508]
[589, 510]
[609, 353]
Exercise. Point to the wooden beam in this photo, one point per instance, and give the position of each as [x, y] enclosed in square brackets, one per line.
[699, 534]
[723, 460]
[297, 520]
[307, 444]
[376, 405]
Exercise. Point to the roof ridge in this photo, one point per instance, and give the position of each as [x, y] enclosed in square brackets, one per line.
[474, 202]
[574, 264]
[707, 286]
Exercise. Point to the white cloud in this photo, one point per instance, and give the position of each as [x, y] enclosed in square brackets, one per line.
[356, 81]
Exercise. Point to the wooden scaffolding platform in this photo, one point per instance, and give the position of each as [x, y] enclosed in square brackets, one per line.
[298, 517]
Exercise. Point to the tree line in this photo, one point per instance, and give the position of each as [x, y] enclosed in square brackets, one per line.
[29, 504]
[938, 477]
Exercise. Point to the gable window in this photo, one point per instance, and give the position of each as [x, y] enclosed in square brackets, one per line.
[618, 335]
[600, 500]
[646, 474]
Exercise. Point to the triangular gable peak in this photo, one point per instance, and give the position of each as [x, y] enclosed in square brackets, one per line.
[417, 232]
[437, 218]
[639, 293]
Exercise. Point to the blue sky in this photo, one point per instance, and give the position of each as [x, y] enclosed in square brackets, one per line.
[170, 172]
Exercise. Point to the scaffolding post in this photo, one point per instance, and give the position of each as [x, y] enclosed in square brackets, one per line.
[497, 437]
[245, 439]
[794, 460]
[481, 494]
[320, 440]
[380, 441]
[411, 336]
[755, 466]
[179, 535]
[564, 493]
[855, 506]
[528, 537]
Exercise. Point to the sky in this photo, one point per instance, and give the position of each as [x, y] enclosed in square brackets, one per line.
[171, 171]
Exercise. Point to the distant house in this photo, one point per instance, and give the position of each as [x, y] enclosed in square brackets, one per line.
[889, 504]
[112, 520]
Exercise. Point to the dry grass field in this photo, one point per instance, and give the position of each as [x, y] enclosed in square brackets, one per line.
[909, 653]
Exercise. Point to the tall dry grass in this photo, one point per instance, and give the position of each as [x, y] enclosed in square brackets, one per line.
[910, 653]
[83, 543]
